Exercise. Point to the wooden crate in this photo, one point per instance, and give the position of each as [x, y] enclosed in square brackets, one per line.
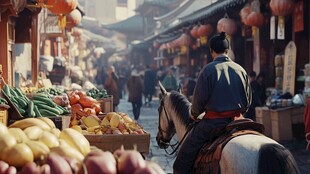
[113, 142]
[263, 117]
[297, 115]
[61, 122]
[4, 115]
[281, 124]
[106, 104]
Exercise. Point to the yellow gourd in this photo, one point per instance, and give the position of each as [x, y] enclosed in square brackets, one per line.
[115, 119]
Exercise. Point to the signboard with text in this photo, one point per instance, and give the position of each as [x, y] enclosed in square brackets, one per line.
[49, 24]
[289, 68]
[299, 16]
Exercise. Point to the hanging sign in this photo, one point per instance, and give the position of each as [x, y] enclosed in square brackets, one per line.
[272, 27]
[49, 24]
[299, 16]
[289, 68]
[281, 28]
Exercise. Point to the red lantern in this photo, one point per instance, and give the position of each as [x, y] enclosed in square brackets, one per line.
[185, 40]
[73, 19]
[255, 19]
[194, 32]
[226, 25]
[244, 13]
[205, 30]
[60, 7]
[281, 7]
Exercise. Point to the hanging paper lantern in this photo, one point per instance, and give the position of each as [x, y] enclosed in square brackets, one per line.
[185, 40]
[73, 19]
[281, 7]
[194, 32]
[244, 13]
[255, 19]
[205, 30]
[60, 7]
[226, 25]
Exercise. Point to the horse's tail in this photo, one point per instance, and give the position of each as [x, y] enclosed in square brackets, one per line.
[276, 159]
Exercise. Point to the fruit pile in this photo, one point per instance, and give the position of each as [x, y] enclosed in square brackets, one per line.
[33, 139]
[35, 146]
[112, 123]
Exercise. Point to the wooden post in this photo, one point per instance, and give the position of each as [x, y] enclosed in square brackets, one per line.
[35, 50]
[4, 57]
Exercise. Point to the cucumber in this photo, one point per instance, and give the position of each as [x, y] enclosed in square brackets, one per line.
[6, 90]
[13, 93]
[18, 91]
[36, 110]
[21, 111]
[30, 110]
[46, 100]
[38, 102]
[64, 111]
[46, 113]
[21, 102]
[51, 109]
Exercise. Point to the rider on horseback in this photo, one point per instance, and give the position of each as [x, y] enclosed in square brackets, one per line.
[222, 92]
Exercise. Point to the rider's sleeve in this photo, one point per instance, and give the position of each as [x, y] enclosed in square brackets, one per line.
[199, 100]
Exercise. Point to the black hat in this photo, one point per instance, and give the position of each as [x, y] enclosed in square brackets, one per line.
[219, 43]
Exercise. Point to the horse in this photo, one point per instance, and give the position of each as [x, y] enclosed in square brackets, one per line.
[244, 154]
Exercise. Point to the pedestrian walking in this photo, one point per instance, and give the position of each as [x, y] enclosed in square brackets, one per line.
[135, 89]
[111, 84]
[170, 82]
[149, 85]
[222, 93]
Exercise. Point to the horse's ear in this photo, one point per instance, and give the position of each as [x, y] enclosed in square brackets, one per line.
[180, 89]
[162, 88]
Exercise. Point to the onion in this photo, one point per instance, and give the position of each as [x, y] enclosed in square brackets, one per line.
[130, 161]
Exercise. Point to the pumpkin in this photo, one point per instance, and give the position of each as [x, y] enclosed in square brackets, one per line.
[60, 7]
[74, 98]
[281, 7]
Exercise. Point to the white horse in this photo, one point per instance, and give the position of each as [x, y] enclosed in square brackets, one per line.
[244, 154]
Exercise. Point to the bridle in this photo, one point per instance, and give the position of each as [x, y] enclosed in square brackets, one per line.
[170, 125]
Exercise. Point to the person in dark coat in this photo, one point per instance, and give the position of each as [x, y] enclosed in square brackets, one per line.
[149, 84]
[222, 94]
[135, 89]
[111, 84]
[255, 97]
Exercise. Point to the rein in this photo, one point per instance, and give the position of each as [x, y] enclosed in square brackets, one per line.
[189, 127]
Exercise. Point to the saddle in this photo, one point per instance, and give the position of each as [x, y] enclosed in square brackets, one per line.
[209, 157]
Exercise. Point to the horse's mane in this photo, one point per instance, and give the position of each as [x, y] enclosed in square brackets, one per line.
[181, 106]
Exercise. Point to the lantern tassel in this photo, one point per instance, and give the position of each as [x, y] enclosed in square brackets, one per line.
[62, 21]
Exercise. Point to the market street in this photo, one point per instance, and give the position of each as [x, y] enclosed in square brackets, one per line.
[149, 121]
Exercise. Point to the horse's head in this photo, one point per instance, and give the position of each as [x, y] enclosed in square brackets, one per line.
[166, 129]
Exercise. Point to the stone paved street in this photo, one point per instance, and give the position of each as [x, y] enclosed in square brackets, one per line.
[149, 121]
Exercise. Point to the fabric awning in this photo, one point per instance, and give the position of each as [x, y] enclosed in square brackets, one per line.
[131, 24]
